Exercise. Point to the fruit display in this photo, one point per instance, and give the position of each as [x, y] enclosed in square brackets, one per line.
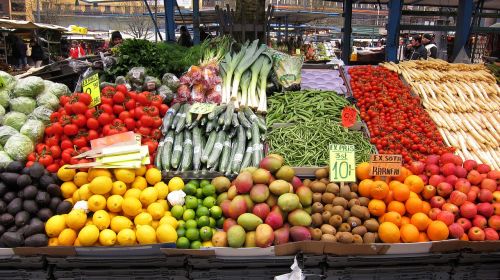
[463, 100]
[29, 197]
[397, 122]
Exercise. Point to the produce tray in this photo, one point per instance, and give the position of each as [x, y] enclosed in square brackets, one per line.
[234, 262]
[393, 272]
[145, 273]
[120, 251]
[125, 261]
[307, 260]
[22, 262]
[23, 274]
[383, 260]
[240, 273]
[477, 271]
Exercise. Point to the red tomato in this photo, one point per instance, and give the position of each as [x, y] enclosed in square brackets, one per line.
[156, 134]
[151, 111]
[63, 100]
[30, 163]
[90, 113]
[121, 88]
[53, 168]
[45, 160]
[119, 97]
[157, 121]
[70, 129]
[55, 151]
[108, 91]
[52, 141]
[139, 112]
[130, 124]
[49, 130]
[124, 115]
[152, 145]
[117, 109]
[92, 134]
[106, 108]
[80, 141]
[130, 104]
[104, 119]
[40, 148]
[85, 98]
[105, 130]
[93, 124]
[147, 121]
[68, 108]
[79, 120]
[107, 101]
[156, 101]
[31, 157]
[144, 131]
[54, 117]
[66, 155]
[142, 98]
[66, 144]
[163, 109]
[64, 120]
[78, 107]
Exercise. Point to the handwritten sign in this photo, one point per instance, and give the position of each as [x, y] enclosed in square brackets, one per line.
[385, 165]
[90, 86]
[202, 108]
[348, 116]
[342, 163]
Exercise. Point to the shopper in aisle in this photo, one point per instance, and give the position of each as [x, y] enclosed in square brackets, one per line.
[76, 50]
[36, 53]
[185, 38]
[428, 41]
[116, 39]
[20, 50]
[418, 50]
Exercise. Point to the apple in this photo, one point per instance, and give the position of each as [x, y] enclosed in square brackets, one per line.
[476, 234]
[489, 184]
[464, 223]
[494, 174]
[472, 196]
[446, 217]
[432, 159]
[494, 222]
[490, 234]
[470, 164]
[448, 169]
[496, 208]
[479, 221]
[447, 158]
[460, 172]
[429, 191]
[456, 230]
[485, 195]
[438, 202]
[474, 177]
[485, 209]
[444, 189]
[450, 207]
[468, 210]
[435, 179]
[431, 169]
[464, 237]
[458, 198]
[433, 213]
[496, 196]
[451, 179]
[483, 168]
[424, 178]
[462, 185]
[417, 167]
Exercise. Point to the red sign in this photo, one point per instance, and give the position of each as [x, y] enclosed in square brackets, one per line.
[348, 116]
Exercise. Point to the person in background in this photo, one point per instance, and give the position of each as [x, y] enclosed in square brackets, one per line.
[116, 39]
[36, 53]
[76, 50]
[204, 35]
[418, 50]
[21, 54]
[429, 45]
[185, 38]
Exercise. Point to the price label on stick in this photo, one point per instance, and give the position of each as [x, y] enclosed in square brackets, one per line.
[342, 163]
[348, 116]
[385, 165]
[202, 108]
[90, 85]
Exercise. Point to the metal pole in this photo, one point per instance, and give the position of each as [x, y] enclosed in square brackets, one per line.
[286, 28]
[38, 10]
[392, 44]
[196, 22]
[346, 31]
[169, 20]
[462, 29]
[157, 31]
[156, 20]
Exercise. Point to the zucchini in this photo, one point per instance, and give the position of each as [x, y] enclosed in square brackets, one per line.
[217, 150]
[234, 144]
[196, 148]
[169, 117]
[177, 152]
[178, 116]
[261, 121]
[247, 158]
[187, 151]
[182, 119]
[216, 112]
[158, 154]
[243, 120]
[166, 154]
[208, 147]
[255, 144]
[228, 116]
[235, 121]
[226, 154]
[240, 149]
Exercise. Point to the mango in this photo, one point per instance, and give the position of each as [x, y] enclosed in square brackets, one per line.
[264, 235]
[274, 219]
[288, 202]
[232, 192]
[243, 182]
[236, 236]
[259, 193]
[249, 202]
[224, 205]
[221, 197]
[221, 184]
[261, 210]
[272, 200]
[270, 163]
[250, 169]
[296, 183]
[261, 176]
[228, 223]
[300, 233]
[299, 217]
[279, 187]
[249, 221]
[278, 157]
[282, 235]
[285, 173]
[305, 195]
[237, 207]
[219, 239]
[250, 239]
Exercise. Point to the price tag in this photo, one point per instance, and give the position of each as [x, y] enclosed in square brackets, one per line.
[348, 116]
[342, 163]
[202, 108]
[385, 165]
[90, 85]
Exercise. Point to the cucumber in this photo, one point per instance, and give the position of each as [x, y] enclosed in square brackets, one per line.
[197, 148]
[203, 121]
[187, 151]
[166, 153]
[234, 144]
[169, 117]
[189, 117]
[211, 125]
[177, 152]
[250, 115]
[208, 147]
[248, 133]
[255, 144]
[240, 149]
[247, 158]
[217, 150]
[233, 132]
[261, 121]
[228, 116]
[243, 120]
[182, 119]
[226, 154]
[216, 112]
[220, 120]
[158, 154]
[195, 123]
[235, 121]
[178, 116]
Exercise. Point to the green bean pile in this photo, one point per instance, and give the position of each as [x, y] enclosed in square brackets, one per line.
[306, 143]
[299, 106]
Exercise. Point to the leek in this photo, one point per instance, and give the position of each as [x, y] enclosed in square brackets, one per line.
[252, 96]
[245, 82]
[264, 72]
[251, 54]
[232, 63]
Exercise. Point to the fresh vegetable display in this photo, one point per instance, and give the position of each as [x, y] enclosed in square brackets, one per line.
[464, 102]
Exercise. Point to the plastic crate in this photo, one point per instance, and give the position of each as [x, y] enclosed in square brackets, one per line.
[429, 272]
[391, 260]
[37, 262]
[479, 271]
[105, 262]
[144, 273]
[234, 262]
[241, 274]
[23, 274]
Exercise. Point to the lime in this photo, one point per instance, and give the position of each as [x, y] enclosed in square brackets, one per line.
[216, 212]
[199, 193]
[181, 232]
[196, 245]
[220, 222]
[206, 233]
[191, 224]
[181, 223]
[212, 222]
[191, 202]
[192, 234]
[202, 211]
[209, 201]
[203, 221]
[182, 243]
[177, 211]
[189, 214]
[208, 190]
[200, 201]
[195, 183]
[204, 182]
[190, 189]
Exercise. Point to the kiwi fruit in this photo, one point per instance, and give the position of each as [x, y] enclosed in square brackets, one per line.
[361, 230]
[346, 237]
[306, 182]
[337, 210]
[327, 198]
[340, 201]
[363, 201]
[352, 202]
[369, 237]
[326, 216]
[354, 221]
[371, 225]
[321, 173]
[316, 234]
[325, 181]
[317, 197]
[318, 187]
[353, 195]
[328, 229]
[346, 215]
[333, 188]
[317, 219]
[360, 212]
[328, 208]
[335, 220]
[317, 207]
[328, 238]
[345, 227]
[354, 187]
[357, 239]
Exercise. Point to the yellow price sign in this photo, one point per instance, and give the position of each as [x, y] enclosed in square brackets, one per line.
[342, 163]
[90, 86]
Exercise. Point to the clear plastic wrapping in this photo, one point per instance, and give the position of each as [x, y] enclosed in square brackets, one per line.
[19, 146]
[34, 129]
[22, 104]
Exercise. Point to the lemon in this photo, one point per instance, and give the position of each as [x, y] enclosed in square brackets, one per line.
[140, 171]
[76, 219]
[70, 200]
[166, 233]
[169, 220]
[89, 222]
[163, 203]
[126, 237]
[114, 203]
[139, 183]
[148, 196]
[81, 178]
[101, 185]
[153, 176]
[175, 184]
[112, 215]
[54, 241]
[119, 223]
[135, 193]
[67, 189]
[88, 235]
[76, 196]
[162, 190]
[96, 202]
[66, 174]
[131, 206]
[145, 234]
[107, 237]
[143, 219]
[155, 224]
[67, 237]
[119, 188]
[125, 175]
[168, 213]
[101, 219]
[96, 172]
[156, 210]
[84, 192]
[207, 244]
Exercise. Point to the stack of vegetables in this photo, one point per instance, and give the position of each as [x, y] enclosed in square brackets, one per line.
[463, 100]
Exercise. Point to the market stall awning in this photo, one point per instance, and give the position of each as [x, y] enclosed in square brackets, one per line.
[23, 24]
[488, 4]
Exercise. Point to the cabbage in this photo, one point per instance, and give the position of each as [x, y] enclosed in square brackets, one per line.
[23, 105]
[15, 120]
[2, 113]
[48, 100]
[136, 75]
[151, 83]
[166, 93]
[58, 89]
[4, 97]
[7, 80]
[29, 87]
[6, 132]
[120, 80]
[4, 159]
[19, 146]
[41, 113]
[33, 129]
[171, 81]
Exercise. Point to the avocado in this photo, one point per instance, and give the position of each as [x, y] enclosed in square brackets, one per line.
[22, 218]
[8, 197]
[35, 226]
[3, 207]
[42, 198]
[12, 228]
[23, 181]
[15, 167]
[54, 202]
[64, 207]
[12, 239]
[10, 179]
[3, 189]
[20, 194]
[29, 192]
[30, 206]
[36, 170]
[26, 171]
[54, 190]
[37, 240]
[15, 206]
[6, 219]
[2, 230]
[22, 230]
[45, 214]
[45, 181]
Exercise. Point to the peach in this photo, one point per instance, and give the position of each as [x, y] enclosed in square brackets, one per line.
[456, 230]
[468, 210]
[464, 223]
[446, 217]
[470, 164]
[490, 234]
[479, 221]
[476, 234]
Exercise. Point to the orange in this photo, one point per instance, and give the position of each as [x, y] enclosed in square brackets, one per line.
[420, 221]
[401, 192]
[409, 233]
[389, 197]
[414, 195]
[393, 184]
[363, 171]
[437, 230]
[376, 207]
[405, 220]
[364, 187]
[413, 205]
[415, 183]
[426, 207]
[422, 237]
[389, 232]
[379, 190]
[393, 217]
[403, 174]
[397, 206]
